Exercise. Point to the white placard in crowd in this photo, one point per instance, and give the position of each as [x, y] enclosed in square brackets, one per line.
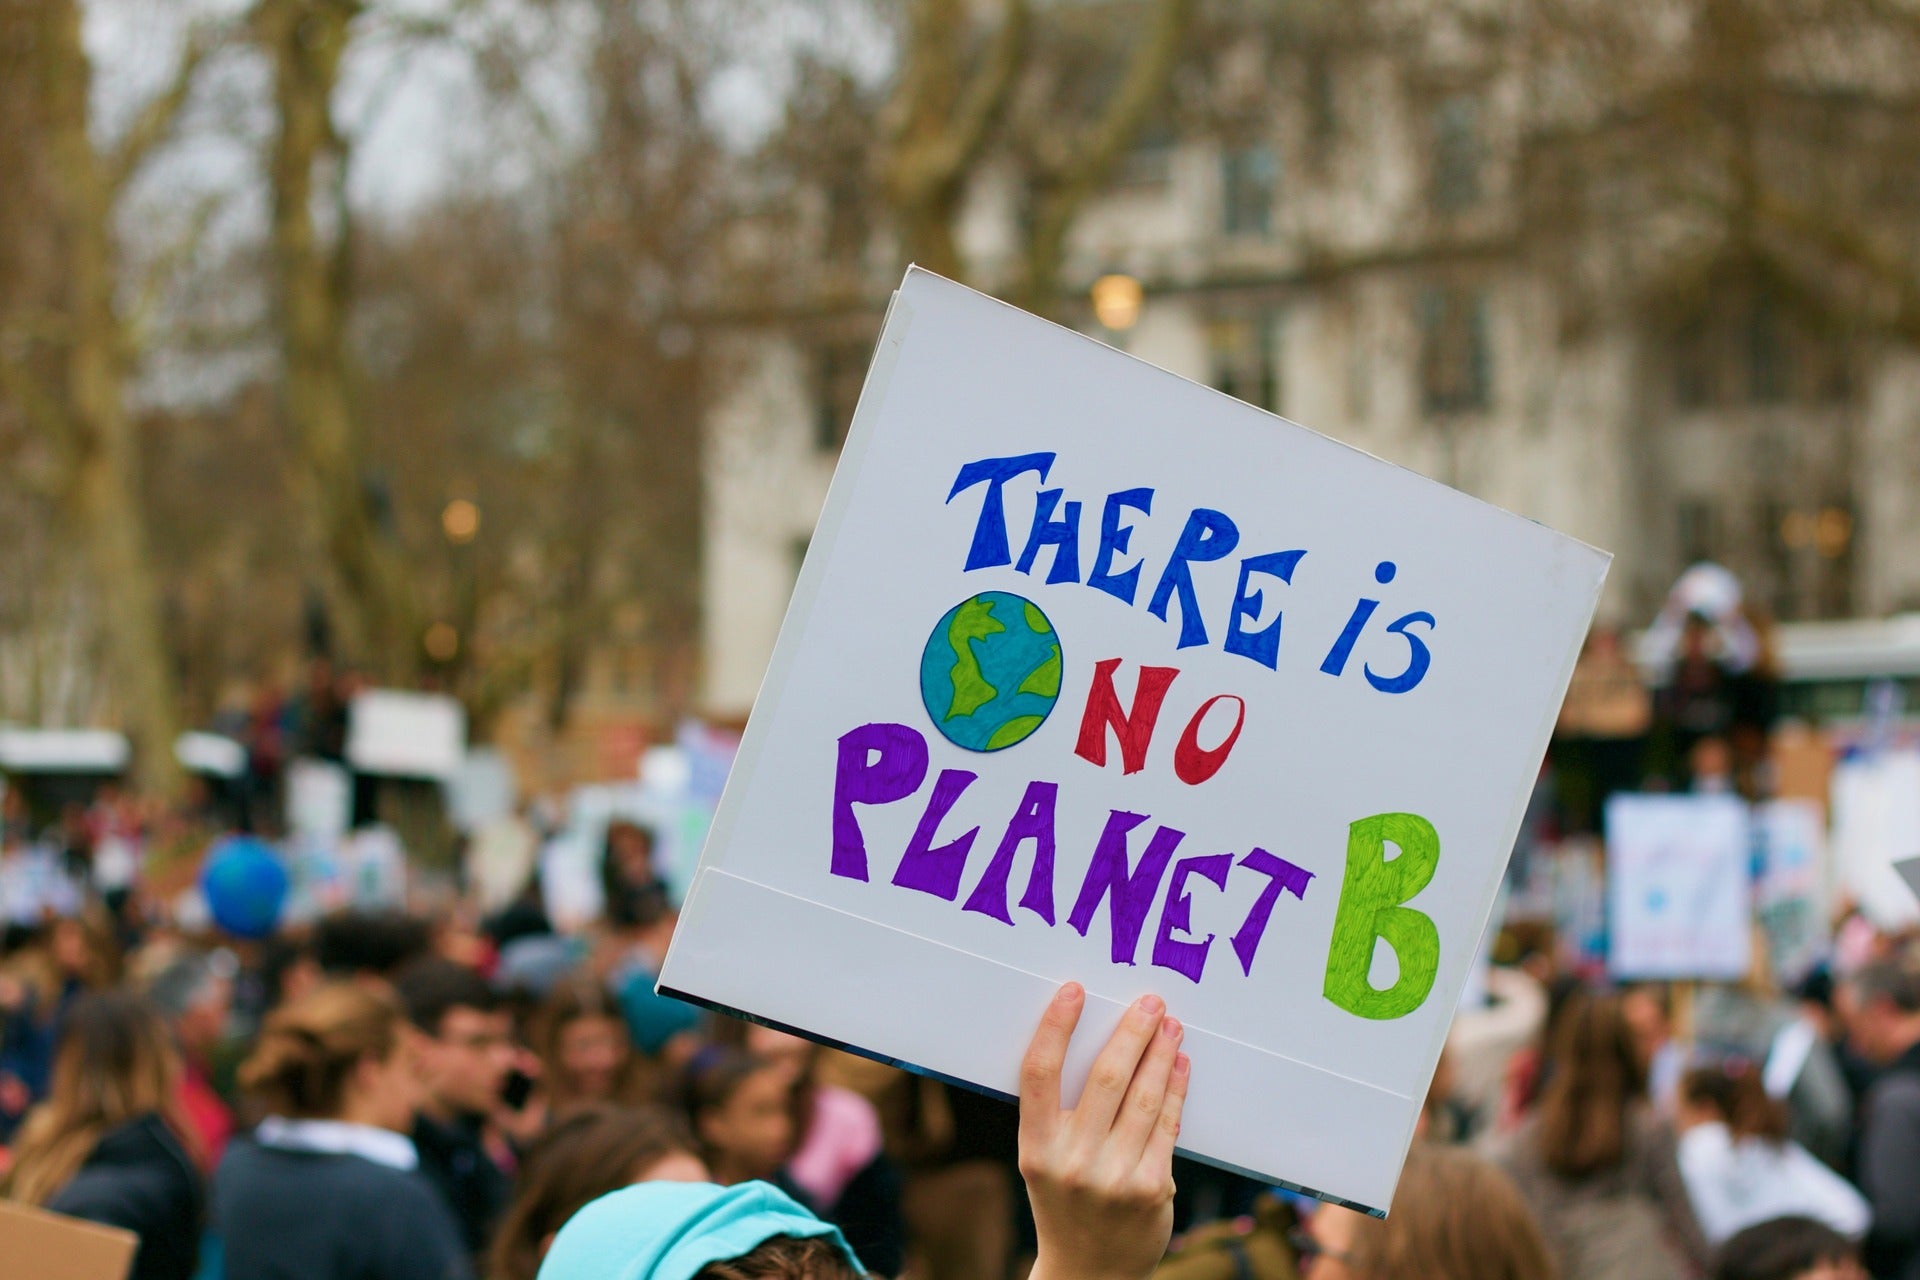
[1876, 822]
[319, 800]
[1679, 892]
[406, 735]
[1790, 895]
[1093, 673]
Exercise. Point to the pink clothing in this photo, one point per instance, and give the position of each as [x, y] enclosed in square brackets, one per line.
[205, 1114]
[843, 1137]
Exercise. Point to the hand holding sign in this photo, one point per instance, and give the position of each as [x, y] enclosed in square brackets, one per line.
[1093, 671]
[1100, 1177]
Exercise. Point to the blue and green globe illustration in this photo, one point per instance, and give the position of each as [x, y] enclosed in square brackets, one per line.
[990, 673]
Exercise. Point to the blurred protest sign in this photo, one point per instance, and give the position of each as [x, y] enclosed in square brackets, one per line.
[481, 790]
[1790, 893]
[1678, 894]
[1909, 869]
[319, 799]
[52, 1246]
[1093, 673]
[406, 735]
[1876, 822]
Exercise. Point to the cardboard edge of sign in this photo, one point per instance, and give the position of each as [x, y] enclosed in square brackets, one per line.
[846, 1005]
[1265, 1180]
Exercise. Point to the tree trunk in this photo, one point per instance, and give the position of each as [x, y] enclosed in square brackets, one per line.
[305, 40]
[100, 491]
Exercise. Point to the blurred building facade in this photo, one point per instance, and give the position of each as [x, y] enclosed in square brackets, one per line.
[1353, 259]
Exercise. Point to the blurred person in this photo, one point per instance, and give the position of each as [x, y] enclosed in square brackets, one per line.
[1741, 1168]
[109, 1144]
[740, 1107]
[328, 1188]
[1099, 1180]
[465, 1054]
[1597, 1164]
[1648, 1009]
[640, 921]
[1806, 1067]
[1885, 1028]
[584, 1052]
[59, 963]
[1789, 1249]
[1455, 1216]
[369, 945]
[195, 995]
[591, 1151]
[1697, 700]
[838, 1166]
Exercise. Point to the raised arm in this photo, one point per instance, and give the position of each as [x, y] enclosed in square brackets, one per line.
[1100, 1176]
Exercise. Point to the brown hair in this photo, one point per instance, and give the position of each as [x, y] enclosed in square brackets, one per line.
[568, 1003]
[115, 1064]
[591, 1152]
[785, 1258]
[1596, 1078]
[1739, 1098]
[1456, 1216]
[307, 1051]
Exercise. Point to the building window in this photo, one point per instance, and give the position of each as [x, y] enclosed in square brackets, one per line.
[840, 369]
[1696, 530]
[1323, 119]
[1242, 360]
[1249, 178]
[1457, 154]
[1455, 359]
[1751, 351]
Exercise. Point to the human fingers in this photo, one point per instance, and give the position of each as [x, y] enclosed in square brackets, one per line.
[1113, 1070]
[1139, 1115]
[1046, 1055]
[1159, 1152]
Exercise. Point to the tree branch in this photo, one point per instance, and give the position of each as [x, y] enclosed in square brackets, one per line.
[156, 120]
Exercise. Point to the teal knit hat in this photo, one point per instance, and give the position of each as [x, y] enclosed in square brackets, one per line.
[671, 1230]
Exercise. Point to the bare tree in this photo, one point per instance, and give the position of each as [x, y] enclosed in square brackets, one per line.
[350, 517]
[80, 411]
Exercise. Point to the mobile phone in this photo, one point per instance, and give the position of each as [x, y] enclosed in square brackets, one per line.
[517, 1089]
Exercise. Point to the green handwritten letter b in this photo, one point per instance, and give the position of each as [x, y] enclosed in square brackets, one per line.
[1370, 907]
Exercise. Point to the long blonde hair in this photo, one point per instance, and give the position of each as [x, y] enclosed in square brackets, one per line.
[1456, 1216]
[115, 1064]
[307, 1051]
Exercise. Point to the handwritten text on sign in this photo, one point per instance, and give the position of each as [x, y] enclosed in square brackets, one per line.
[987, 703]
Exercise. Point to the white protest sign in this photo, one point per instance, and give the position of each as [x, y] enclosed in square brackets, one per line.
[1678, 892]
[1790, 895]
[1876, 823]
[1909, 869]
[407, 735]
[1092, 673]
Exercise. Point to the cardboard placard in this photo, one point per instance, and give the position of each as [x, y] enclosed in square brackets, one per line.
[1679, 892]
[52, 1246]
[398, 734]
[1093, 673]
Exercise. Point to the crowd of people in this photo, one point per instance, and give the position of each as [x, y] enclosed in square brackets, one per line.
[450, 1094]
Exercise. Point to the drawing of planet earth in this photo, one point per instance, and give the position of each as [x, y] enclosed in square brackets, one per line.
[990, 673]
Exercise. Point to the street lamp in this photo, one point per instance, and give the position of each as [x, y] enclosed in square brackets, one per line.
[460, 521]
[1116, 301]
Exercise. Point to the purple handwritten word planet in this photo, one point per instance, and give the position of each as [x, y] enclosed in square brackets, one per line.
[245, 887]
[990, 673]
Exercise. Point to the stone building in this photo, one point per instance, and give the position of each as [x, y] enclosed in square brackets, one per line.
[1352, 259]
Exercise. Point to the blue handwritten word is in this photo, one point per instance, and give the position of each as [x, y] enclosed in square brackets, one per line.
[1206, 536]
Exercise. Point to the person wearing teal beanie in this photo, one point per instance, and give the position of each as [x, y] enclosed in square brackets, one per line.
[1099, 1176]
[675, 1230]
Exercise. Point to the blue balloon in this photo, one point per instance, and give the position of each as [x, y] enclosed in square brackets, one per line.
[245, 887]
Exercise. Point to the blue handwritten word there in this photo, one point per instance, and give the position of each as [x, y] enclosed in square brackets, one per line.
[1207, 536]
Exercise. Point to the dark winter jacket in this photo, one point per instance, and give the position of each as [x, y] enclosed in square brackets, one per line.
[141, 1178]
